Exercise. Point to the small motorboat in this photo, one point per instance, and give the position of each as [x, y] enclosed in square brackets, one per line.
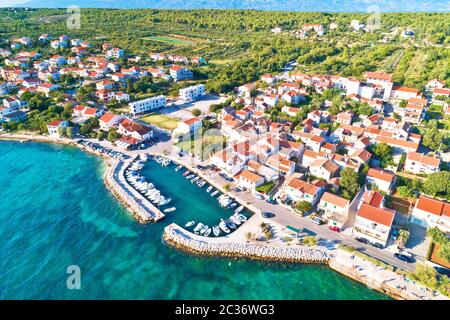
[189, 177]
[171, 210]
[238, 210]
[204, 229]
[178, 168]
[230, 224]
[186, 173]
[189, 224]
[207, 232]
[241, 217]
[165, 202]
[216, 231]
[223, 226]
[209, 189]
[198, 227]
[214, 193]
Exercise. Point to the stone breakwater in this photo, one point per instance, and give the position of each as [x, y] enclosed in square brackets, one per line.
[140, 207]
[182, 239]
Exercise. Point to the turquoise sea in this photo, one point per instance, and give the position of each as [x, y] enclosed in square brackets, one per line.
[56, 212]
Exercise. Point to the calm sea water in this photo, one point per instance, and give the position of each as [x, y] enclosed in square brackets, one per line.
[56, 212]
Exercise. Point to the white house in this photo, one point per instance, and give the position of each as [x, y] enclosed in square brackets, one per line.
[324, 169]
[54, 127]
[384, 180]
[109, 120]
[250, 180]
[431, 213]
[135, 130]
[373, 224]
[228, 162]
[419, 163]
[192, 93]
[188, 126]
[335, 209]
[299, 190]
[146, 105]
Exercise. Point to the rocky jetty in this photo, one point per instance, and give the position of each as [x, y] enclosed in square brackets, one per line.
[182, 239]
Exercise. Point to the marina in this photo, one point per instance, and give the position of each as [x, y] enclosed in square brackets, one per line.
[220, 214]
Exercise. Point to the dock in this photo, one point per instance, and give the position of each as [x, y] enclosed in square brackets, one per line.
[142, 209]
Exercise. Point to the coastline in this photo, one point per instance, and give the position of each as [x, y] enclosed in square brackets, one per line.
[172, 232]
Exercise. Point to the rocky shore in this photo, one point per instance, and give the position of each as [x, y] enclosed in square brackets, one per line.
[180, 238]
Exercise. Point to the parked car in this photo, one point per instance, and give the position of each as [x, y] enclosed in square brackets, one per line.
[362, 240]
[442, 270]
[239, 188]
[404, 257]
[258, 195]
[227, 178]
[318, 220]
[377, 245]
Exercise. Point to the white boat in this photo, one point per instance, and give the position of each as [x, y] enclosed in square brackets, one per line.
[202, 183]
[223, 226]
[178, 168]
[207, 232]
[234, 220]
[189, 224]
[167, 201]
[241, 217]
[173, 209]
[230, 224]
[209, 189]
[239, 209]
[198, 227]
[195, 179]
[214, 193]
[216, 231]
[190, 176]
[203, 230]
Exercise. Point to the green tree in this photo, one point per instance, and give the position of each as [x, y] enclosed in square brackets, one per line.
[303, 206]
[196, 112]
[384, 152]
[349, 183]
[438, 184]
[113, 135]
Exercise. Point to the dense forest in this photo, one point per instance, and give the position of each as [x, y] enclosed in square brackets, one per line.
[240, 47]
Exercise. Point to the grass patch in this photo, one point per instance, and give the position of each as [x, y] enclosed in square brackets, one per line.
[366, 257]
[266, 187]
[170, 40]
[205, 148]
[161, 121]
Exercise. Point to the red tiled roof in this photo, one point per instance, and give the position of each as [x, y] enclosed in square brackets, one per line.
[381, 216]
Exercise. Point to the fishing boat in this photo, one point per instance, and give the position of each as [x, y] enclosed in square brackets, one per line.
[214, 193]
[207, 232]
[216, 231]
[173, 209]
[209, 189]
[189, 224]
[238, 210]
[223, 226]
